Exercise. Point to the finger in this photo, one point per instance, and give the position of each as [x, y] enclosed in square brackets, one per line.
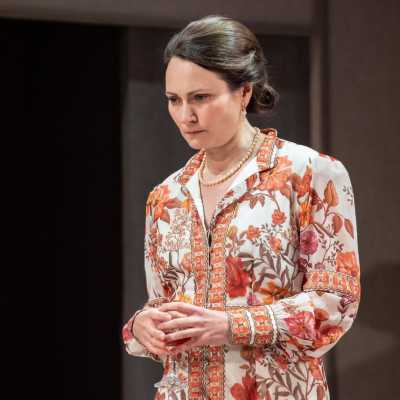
[154, 341]
[157, 334]
[160, 316]
[181, 307]
[180, 323]
[186, 333]
[156, 350]
[176, 314]
[157, 343]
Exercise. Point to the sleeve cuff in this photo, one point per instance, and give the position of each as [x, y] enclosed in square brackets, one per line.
[253, 326]
[132, 344]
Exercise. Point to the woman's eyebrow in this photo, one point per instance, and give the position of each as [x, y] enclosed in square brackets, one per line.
[189, 93]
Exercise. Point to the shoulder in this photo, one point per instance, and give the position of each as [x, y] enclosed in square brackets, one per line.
[170, 186]
[165, 187]
[304, 159]
[172, 179]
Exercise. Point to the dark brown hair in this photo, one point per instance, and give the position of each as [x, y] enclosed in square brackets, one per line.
[228, 48]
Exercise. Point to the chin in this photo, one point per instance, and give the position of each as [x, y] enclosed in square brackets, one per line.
[194, 143]
[194, 146]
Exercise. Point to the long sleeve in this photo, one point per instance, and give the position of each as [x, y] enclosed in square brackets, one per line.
[154, 290]
[312, 321]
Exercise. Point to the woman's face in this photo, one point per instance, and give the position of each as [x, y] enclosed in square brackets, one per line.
[198, 100]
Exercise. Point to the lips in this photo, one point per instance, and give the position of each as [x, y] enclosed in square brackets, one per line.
[193, 132]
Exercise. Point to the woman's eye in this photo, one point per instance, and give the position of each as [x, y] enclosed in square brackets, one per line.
[198, 97]
[201, 96]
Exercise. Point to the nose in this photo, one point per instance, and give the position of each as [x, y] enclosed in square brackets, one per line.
[186, 114]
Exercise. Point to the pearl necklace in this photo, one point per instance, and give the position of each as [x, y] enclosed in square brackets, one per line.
[233, 170]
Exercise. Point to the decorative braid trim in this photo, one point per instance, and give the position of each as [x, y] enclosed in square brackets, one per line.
[263, 326]
[239, 326]
[330, 281]
[274, 325]
[252, 327]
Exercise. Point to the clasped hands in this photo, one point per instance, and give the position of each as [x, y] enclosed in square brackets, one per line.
[158, 328]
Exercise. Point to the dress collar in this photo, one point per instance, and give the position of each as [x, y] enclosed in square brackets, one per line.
[248, 178]
[265, 157]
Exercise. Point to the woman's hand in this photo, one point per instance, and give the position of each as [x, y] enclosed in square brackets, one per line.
[202, 326]
[145, 329]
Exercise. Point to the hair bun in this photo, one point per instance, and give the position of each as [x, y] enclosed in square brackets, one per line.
[264, 98]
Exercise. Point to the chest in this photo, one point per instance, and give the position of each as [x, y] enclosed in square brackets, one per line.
[251, 256]
[210, 196]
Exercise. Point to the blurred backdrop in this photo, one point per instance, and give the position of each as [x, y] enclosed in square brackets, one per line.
[86, 79]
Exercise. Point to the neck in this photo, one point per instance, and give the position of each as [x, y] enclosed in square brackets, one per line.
[222, 158]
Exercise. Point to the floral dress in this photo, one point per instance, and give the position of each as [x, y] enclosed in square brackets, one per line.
[280, 257]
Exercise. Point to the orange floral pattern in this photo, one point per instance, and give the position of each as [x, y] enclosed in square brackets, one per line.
[238, 278]
[271, 292]
[247, 390]
[282, 262]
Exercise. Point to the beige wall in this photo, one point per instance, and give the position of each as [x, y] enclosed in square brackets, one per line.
[283, 15]
[364, 123]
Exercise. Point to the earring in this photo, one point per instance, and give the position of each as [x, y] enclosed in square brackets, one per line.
[244, 111]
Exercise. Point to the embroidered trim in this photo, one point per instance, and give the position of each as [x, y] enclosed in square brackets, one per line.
[214, 374]
[216, 279]
[274, 325]
[263, 326]
[239, 325]
[191, 167]
[329, 281]
[266, 156]
[273, 156]
[252, 327]
[196, 359]
[195, 390]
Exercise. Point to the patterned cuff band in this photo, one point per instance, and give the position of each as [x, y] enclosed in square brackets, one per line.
[254, 326]
[240, 331]
[273, 322]
[263, 326]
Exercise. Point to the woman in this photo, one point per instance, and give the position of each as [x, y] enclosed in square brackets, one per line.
[254, 238]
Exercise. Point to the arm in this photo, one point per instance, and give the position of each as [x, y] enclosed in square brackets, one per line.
[154, 289]
[312, 321]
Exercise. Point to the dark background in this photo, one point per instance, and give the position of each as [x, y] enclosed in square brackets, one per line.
[61, 92]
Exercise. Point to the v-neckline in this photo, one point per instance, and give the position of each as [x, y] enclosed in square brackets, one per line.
[265, 158]
[243, 172]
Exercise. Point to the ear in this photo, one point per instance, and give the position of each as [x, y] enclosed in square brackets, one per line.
[247, 91]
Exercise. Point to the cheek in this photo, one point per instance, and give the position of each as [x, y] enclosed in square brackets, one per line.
[225, 117]
[227, 110]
